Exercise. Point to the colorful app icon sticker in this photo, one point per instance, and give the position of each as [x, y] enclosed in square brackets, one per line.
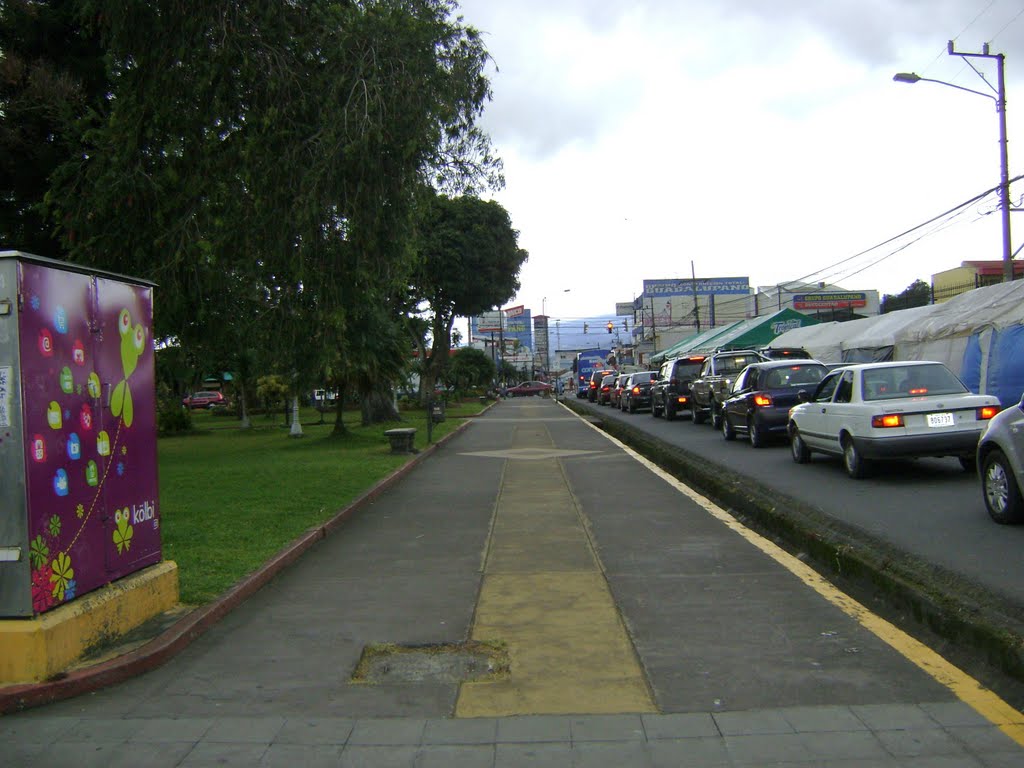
[67, 381]
[38, 449]
[103, 443]
[60, 320]
[85, 417]
[78, 352]
[60, 483]
[93, 384]
[54, 417]
[45, 342]
[92, 474]
[74, 447]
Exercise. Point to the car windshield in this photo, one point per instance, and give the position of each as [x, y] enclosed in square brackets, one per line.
[688, 369]
[794, 376]
[898, 381]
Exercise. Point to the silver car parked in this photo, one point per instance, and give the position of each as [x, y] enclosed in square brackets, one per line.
[1001, 465]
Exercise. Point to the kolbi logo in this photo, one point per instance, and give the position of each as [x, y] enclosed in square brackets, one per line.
[143, 512]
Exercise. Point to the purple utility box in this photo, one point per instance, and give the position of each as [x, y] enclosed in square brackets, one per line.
[79, 503]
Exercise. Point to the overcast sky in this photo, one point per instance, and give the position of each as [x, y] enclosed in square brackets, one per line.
[757, 138]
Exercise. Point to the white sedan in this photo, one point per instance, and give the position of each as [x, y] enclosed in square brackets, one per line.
[889, 410]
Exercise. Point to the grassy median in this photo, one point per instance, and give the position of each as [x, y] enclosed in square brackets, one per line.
[230, 498]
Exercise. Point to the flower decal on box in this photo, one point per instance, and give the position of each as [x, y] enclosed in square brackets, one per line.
[42, 595]
[61, 575]
[55, 526]
[39, 552]
[124, 532]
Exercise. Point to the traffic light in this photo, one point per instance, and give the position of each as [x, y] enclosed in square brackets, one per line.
[609, 326]
[585, 327]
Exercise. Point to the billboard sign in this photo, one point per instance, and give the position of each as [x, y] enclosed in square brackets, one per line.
[701, 287]
[829, 300]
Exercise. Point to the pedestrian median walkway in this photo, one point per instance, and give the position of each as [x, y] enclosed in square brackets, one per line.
[545, 596]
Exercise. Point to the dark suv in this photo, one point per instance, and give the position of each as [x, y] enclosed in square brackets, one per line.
[594, 387]
[636, 392]
[670, 393]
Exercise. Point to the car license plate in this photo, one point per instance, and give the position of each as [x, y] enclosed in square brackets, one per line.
[940, 420]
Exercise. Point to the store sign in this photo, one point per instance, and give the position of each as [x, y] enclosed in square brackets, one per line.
[829, 300]
[700, 287]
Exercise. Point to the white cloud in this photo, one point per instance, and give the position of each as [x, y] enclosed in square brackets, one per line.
[751, 138]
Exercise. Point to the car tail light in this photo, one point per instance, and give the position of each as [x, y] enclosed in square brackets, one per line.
[888, 420]
[636, 390]
[986, 412]
[762, 400]
[919, 391]
[682, 399]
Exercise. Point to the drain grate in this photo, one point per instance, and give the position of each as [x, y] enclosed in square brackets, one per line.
[472, 661]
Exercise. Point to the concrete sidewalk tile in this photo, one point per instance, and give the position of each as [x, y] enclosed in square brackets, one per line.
[388, 732]
[679, 726]
[449, 756]
[164, 755]
[893, 717]
[768, 749]
[984, 739]
[822, 719]
[315, 730]
[535, 729]
[752, 722]
[921, 743]
[483, 730]
[301, 756]
[611, 754]
[244, 729]
[78, 753]
[607, 728]
[379, 757]
[844, 745]
[33, 727]
[161, 729]
[19, 754]
[689, 753]
[532, 755]
[949, 713]
[100, 730]
[204, 755]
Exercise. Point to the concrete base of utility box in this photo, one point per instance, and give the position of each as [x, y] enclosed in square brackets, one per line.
[37, 649]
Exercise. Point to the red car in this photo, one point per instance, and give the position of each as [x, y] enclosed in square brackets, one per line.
[205, 400]
[529, 388]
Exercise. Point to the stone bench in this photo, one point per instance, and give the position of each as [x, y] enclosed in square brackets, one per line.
[401, 439]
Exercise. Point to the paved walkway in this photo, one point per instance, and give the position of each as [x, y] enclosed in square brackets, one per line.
[641, 628]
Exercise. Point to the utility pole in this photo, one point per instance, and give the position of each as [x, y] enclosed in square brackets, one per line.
[1004, 172]
[696, 303]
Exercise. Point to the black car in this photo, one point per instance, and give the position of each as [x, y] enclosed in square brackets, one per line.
[604, 392]
[594, 387]
[670, 393]
[759, 402]
[636, 391]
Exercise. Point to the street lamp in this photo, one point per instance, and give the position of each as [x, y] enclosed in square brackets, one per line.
[1000, 100]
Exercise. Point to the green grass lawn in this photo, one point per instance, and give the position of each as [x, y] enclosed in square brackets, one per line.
[231, 499]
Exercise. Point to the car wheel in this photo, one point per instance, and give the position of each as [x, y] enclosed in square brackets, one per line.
[716, 416]
[654, 410]
[969, 464]
[797, 447]
[756, 434]
[632, 406]
[698, 415]
[854, 463]
[670, 413]
[1000, 490]
[727, 429]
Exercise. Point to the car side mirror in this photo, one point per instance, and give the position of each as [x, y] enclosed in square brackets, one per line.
[803, 396]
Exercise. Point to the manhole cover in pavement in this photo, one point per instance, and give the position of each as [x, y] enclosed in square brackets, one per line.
[448, 663]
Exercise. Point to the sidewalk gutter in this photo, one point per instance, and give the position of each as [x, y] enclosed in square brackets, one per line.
[182, 633]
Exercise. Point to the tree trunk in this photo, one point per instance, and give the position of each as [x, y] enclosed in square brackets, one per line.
[296, 430]
[379, 406]
[246, 423]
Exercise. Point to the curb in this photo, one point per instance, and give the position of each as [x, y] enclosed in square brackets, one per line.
[182, 633]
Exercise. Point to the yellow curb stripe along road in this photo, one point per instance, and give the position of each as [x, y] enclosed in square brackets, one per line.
[545, 596]
[963, 686]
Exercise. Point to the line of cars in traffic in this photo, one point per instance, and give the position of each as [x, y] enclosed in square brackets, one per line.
[862, 413]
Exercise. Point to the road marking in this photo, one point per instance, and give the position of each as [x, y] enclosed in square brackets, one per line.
[963, 686]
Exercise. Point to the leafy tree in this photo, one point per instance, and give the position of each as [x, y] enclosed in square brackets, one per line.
[917, 294]
[470, 368]
[469, 263]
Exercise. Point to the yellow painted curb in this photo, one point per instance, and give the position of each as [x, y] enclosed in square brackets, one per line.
[36, 649]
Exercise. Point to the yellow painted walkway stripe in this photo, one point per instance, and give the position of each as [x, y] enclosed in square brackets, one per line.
[545, 596]
[962, 685]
